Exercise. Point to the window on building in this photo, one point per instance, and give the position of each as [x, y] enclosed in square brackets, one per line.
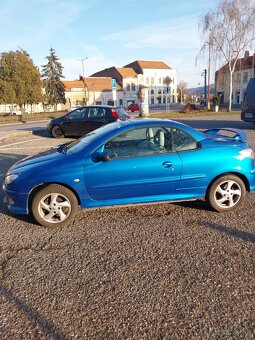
[128, 87]
[159, 91]
[133, 86]
[152, 100]
[160, 80]
[245, 77]
[152, 91]
[164, 100]
[152, 80]
[147, 80]
[120, 102]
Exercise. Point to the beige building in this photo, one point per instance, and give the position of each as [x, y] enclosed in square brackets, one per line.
[245, 68]
[93, 90]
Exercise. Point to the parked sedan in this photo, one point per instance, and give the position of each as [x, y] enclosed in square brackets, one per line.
[133, 107]
[129, 162]
[85, 119]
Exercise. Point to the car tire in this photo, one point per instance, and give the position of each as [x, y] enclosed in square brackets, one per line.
[57, 132]
[54, 206]
[226, 193]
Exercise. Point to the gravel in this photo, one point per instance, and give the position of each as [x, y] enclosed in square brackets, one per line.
[157, 271]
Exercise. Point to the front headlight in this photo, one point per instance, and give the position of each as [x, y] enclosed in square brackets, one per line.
[10, 178]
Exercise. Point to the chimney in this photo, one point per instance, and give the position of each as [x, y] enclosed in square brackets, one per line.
[246, 54]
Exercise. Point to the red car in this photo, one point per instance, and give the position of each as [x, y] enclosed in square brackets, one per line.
[133, 107]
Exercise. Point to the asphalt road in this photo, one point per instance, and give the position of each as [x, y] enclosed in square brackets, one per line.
[158, 271]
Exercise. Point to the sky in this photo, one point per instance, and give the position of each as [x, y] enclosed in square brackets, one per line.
[108, 33]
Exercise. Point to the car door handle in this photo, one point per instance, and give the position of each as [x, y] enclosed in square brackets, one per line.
[167, 164]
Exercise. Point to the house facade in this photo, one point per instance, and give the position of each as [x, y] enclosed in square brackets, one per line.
[150, 74]
[153, 74]
[245, 69]
[93, 90]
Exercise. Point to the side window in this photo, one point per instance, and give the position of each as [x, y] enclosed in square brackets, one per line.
[182, 141]
[140, 142]
[78, 114]
[97, 112]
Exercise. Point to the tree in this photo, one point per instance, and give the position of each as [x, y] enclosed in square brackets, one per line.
[20, 80]
[228, 31]
[181, 89]
[52, 74]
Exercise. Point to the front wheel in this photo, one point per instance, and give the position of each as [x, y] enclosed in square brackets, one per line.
[226, 193]
[54, 206]
[57, 132]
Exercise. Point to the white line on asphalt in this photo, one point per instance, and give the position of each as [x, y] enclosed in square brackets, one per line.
[26, 141]
[29, 147]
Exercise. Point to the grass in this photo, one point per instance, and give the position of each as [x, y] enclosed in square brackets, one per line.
[30, 117]
[178, 114]
[165, 114]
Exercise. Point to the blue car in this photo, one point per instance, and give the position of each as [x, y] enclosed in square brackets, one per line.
[129, 162]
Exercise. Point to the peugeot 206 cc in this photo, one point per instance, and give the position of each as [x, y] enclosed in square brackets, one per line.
[130, 162]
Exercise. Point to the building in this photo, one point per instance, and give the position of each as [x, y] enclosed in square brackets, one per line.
[93, 90]
[160, 79]
[245, 69]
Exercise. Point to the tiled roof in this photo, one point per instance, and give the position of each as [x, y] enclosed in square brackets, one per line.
[152, 64]
[92, 83]
[127, 72]
[143, 64]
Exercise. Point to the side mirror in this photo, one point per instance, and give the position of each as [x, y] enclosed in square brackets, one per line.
[102, 157]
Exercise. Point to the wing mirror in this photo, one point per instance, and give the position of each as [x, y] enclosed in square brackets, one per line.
[102, 157]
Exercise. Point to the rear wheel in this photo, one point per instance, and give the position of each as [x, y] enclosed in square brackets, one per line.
[54, 206]
[57, 132]
[226, 193]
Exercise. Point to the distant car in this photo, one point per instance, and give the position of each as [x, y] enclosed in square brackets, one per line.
[248, 107]
[133, 107]
[129, 162]
[15, 113]
[85, 119]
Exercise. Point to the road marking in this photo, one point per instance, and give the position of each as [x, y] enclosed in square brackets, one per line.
[26, 141]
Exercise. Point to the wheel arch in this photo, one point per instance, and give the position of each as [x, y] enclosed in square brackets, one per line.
[237, 174]
[37, 188]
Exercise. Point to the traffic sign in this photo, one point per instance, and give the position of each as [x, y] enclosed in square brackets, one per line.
[113, 84]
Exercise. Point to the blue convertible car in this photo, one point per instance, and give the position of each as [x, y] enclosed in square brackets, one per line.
[129, 162]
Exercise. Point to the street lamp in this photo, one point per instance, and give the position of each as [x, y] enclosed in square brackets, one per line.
[83, 76]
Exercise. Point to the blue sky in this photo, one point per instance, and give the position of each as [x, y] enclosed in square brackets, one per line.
[109, 33]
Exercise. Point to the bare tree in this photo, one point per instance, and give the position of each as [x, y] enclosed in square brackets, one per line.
[228, 31]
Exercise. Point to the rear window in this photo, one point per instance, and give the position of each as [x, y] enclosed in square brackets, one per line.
[121, 112]
[249, 99]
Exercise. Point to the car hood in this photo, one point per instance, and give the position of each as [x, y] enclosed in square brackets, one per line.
[46, 157]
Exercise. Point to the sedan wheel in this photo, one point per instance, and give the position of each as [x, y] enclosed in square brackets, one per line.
[54, 205]
[226, 193]
[57, 132]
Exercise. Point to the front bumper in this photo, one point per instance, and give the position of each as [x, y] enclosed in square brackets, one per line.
[17, 203]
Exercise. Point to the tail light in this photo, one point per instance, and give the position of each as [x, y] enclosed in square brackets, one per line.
[114, 113]
[246, 153]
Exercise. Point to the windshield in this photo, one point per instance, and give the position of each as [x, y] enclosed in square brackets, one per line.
[81, 143]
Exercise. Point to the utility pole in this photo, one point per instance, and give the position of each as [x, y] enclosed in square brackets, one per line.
[209, 71]
[205, 76]
[83, 77]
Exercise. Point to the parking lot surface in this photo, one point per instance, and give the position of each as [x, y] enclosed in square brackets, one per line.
[157, 271]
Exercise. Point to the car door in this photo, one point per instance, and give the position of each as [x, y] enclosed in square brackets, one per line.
[96, 117]
[74, 123]
[139, 168]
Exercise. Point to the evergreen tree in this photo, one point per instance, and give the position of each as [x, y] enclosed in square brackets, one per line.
[20, 80]
[51, 75]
